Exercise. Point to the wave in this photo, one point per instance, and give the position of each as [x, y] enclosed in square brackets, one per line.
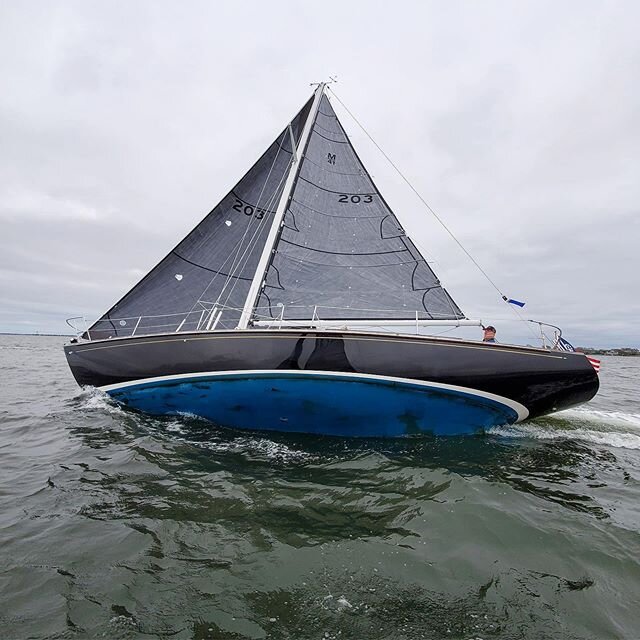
[93, 399]
[195, 431]
[611, 428]
[608, 438]
[256, 446]
[609, 418]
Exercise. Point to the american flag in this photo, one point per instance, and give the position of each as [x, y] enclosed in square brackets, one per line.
[594, 363]
[565, 345]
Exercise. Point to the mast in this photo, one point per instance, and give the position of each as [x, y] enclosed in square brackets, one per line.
[263, 264]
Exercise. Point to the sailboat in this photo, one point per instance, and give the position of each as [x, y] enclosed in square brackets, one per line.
[296, 305]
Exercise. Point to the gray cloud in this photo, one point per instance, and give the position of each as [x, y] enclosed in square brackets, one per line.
[122, 124]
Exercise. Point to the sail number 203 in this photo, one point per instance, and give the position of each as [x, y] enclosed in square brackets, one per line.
[355, 199]
[248, 209]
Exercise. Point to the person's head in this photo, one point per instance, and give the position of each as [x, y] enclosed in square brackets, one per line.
[489, 332]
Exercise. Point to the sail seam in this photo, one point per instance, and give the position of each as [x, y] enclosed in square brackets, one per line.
[347, 193]
[338, 173]
[383, 237]
[200, 266]
[337, 133]
[342, 253]
[329, 139]
[295, 222]
[328, 215]
[288, 256]
[273, 286]
[283, 148]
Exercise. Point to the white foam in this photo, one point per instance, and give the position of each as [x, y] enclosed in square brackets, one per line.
[343, 603]
[606, 417]
[611, 428]
[174, 426]
[93, 398]
[618, 439]
[261, 446]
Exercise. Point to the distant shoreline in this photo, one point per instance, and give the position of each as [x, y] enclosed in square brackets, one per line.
[622, 351]
[44, 335]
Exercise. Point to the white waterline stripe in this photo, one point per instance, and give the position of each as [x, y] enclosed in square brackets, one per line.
[520, 409]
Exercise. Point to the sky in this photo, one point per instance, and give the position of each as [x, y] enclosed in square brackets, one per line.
[123, 123]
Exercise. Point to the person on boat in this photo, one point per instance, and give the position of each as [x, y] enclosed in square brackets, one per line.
[489, 334]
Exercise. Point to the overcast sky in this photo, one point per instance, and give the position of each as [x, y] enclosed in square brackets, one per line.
[123, 123]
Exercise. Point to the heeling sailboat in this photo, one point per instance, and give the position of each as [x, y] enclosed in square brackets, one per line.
[261, 317]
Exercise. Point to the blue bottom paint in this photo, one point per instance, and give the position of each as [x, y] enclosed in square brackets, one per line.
[324, 404]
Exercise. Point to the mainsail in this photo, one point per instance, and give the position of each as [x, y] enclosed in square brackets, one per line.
[341, 252]
[213, 266]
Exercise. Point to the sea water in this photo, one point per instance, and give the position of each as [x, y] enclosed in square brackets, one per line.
[119, 525]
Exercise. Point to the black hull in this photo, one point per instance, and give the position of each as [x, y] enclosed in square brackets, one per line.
[542, 381]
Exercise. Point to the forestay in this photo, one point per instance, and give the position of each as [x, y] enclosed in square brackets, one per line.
[341, 253]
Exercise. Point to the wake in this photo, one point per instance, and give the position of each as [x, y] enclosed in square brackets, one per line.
[612, 428]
